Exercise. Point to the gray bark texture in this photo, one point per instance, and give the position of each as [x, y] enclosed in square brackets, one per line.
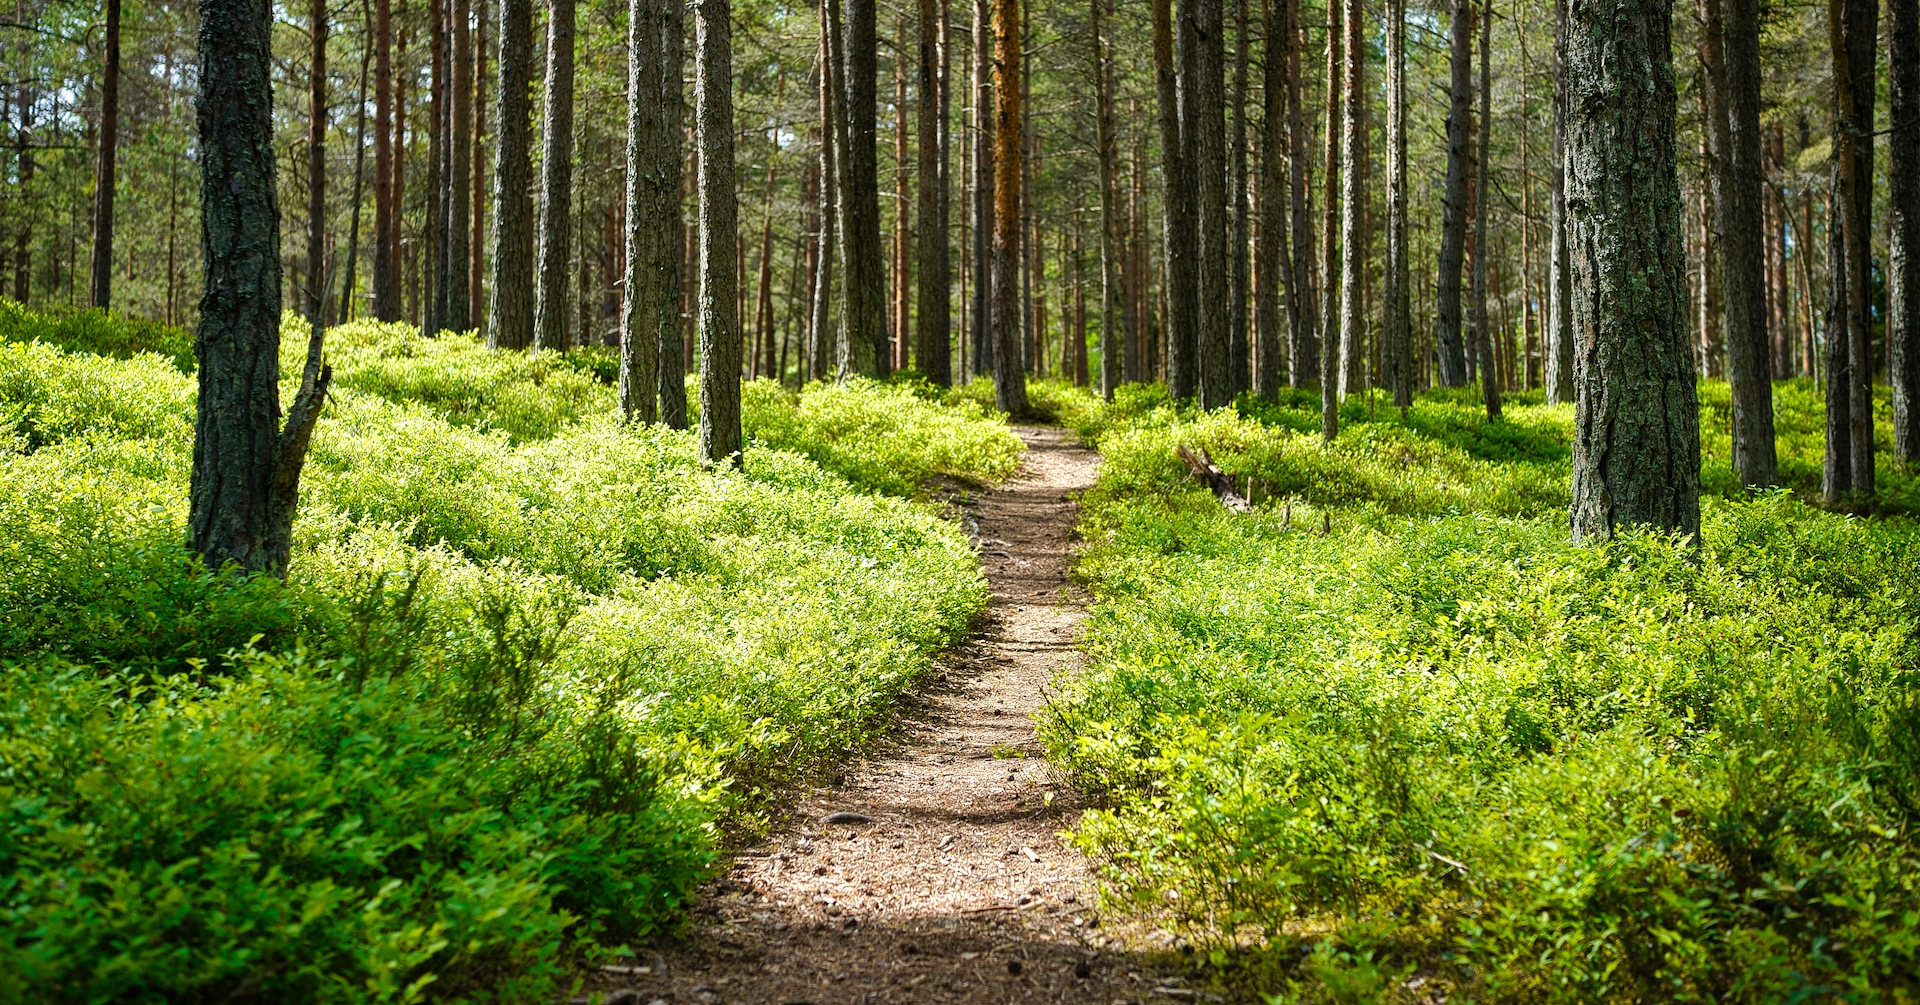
[820, 329]
[1903, 226]
[246, 467]
[316, 279]
[1329, 235]
[1303, 339]
[1353, 201]
[1482, 325]
[719, 236]
[510, 308]
[1239, 375]
[1559, 366]
[1448, 341]
[1112, 332]
[933, 321]
[1397, 357]
[556, 183]
[650, 319]
[1738, 181]
[1204, 128]
[863, 314]
[1636, 444]
[1181, 244]
[105, 176]
[460, 172]
[386, 258]
[1274, 278]
[1848, 469]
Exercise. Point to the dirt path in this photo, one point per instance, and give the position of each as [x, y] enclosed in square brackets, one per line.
[950, 883]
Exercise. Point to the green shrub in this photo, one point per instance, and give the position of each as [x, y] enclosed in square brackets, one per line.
[528, 664]
[97, 331]
[1396, 715]
[897, 448]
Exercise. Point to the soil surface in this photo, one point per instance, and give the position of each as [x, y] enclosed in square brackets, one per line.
[934, 871]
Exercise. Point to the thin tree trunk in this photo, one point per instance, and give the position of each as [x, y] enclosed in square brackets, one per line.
[1353, 200]
[900, 315]
[556, 182]
[316, 164]
[1112, 292]
[435, 212]
[1903, 226]
[933, 325]
[510, 310]
[105, 178]
[1203, 128]
[822, 329]
[1849, 465]
[1009, 369]
[1180, 318]
[1239, 248]
[477, 245]
[983, 175]
[863, 316]
[1738, 183]
[351, 271]
[1453, 227]
[650, 317]
[386, 262]
[1481, 202]
[1303, 339]
[1329, 251]
[719, 231]
[1636, 446]
[1398, 361]
[1275, 298]
[1559, 337]
[667, 180]
[459, 172]
[246, 466]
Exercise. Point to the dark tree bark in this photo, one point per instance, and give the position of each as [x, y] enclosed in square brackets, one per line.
[1453, 226]
[1636, 446]
[650, 318]
[1398, 355]
[556, 183]
[983, 340]
[246, 467]
[1274, 277]
[1329, 236]
[1239, 374]
[1559, 338]
[1353, 201]
[1009, 362]
[1203, 126]
[459, 171]
[672, 237]
[1181, 245]
[1303, 338]
[316, 164]
[1903, 226]
[438, 191]
[933, 325]
[820, 354]
[23, 237]
[105, 177]
[719, 233]
[1482, 326]
[1849, 462]
[350, 273]
[386, 255]
[1738, 182]
[863, 316]
[510, 308]
[1112, 291]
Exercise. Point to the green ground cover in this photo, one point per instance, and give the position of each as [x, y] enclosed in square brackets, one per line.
[1392, 733]
[528, 665]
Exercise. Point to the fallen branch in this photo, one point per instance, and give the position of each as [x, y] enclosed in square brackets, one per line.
[1219, 481]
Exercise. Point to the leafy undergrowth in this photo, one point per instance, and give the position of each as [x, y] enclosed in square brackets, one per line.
[1392, 738]
[528, 664]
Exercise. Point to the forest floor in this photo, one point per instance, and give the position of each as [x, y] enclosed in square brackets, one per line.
[948, 881]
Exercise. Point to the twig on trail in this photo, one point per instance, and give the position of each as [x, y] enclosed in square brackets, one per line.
[992, 907]
[1219, 481]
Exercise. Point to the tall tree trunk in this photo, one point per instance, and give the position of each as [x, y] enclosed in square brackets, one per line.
[1009, 363]
[719, 232]
[983, 174]
[438, 190]
[1559, 339]
[1738, 184]
[1273, 281]
[105, 177]
[510, 309]
[316, 165]
[1329, 236]
[386, 256]
[650, 319]
[1482, 325]
[1636, 443]
[899, 315]
[459, 167]
[1353, 200]
[820, 354]
[1303, 339]
[350, 274]
[1849, 463]
[1239, 374]
[1112, 333]
[1183, 294]
[556, 182]
[477, 244]
[933, 327]
[863, 316]
[246, 466]
[1203, 127]
[1453, 226]
[1903, 226]
[1399, 331]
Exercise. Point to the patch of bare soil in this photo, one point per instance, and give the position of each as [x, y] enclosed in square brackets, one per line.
[934, 871]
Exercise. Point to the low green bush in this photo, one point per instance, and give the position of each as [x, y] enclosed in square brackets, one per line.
[894, 449]
[97, 331]
[528, 665]
[1393, 722]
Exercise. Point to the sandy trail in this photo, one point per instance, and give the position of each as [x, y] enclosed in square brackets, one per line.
[956, 887]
